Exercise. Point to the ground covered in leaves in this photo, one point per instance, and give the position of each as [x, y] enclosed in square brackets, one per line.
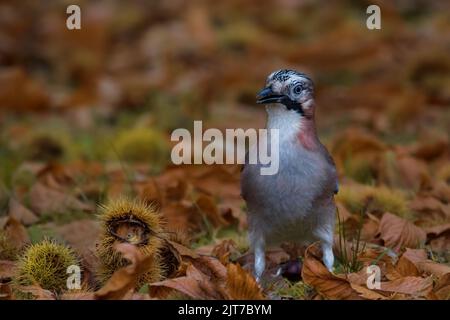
[85, 123]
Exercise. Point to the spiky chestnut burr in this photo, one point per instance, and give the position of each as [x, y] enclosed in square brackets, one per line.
[129, 221]
[44, 264]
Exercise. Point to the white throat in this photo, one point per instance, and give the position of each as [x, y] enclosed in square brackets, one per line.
[288, 122]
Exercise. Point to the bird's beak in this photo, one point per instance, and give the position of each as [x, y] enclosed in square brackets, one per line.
[266, 95]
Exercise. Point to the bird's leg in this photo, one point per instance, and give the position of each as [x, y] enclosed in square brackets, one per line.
[260, 259]
[327, 254]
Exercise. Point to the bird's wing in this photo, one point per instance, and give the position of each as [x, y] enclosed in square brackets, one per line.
[330, 161]
[243, 188]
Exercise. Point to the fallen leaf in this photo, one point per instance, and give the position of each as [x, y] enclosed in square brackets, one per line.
[430, 207]
[367, 293]
[183, 251]
[415, 286]
[44, 200]
[442, 287]
[21, 213]
[418, 258]
[315, 274]
[124, 280]
[195, 284]
[212, 267]
[436, 231]
[406, 267]
[16, 233]
[82, 295]
[7, 270]
[5, 291]
[397, 232]
[240, 285]
[207, 206]
[412, 172]
[38, 292]
[224, 249]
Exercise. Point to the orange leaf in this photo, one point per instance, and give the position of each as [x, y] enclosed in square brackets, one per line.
[241, 285]
[315, 274]
[123, 281]
[442, 288]
[409, 285]
[21, 213]
[195, 284]
[16, 233]
[397, 232]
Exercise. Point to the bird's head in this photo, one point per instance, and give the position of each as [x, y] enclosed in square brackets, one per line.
[294, 90]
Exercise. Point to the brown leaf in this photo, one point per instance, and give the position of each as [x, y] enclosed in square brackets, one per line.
[124, 280]
[182, 250]
[5, 291]
[177, 191]
[434, 268]
[241, 285]
[44, 200]
[315, 274]
[431, 207]
[416, 286]
[418, 258]
[212, 267]
[397, 232]
[38, 292]
[82, 295]
[33, 95]
[209, 208]
[7, 270]
[224, 249]
[182, 216]
[442, 287]
[436, 231]
[21, 213]
[367, 293]
[195, 284]
[412, 172]
[172, 255]
[431, 148]
[358, 278]
[16, 233]
[406, 267]
[150, 193]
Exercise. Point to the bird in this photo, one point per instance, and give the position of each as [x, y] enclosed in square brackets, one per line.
[296, 204]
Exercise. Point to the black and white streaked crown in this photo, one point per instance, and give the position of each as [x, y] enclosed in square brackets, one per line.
[284, 74]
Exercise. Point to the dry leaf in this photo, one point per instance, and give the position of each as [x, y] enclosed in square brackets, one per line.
[21, 213]
[442, 287]
[38, 292]
[367, 293]
[224, 249]
[124, 280]
[209, 208]
[7, 270]
[195, 284]
[397, 232]
[16, 233]
[315, 274]
[241, 285]
[416, 286]
[44, 200]
[5, 291]
[418, 258]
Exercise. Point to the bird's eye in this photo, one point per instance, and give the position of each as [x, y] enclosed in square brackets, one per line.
[298, 89]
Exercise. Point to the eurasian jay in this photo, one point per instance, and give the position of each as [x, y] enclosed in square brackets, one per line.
[297, 203]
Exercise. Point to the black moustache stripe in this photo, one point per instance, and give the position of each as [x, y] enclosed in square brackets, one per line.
[292, 105]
